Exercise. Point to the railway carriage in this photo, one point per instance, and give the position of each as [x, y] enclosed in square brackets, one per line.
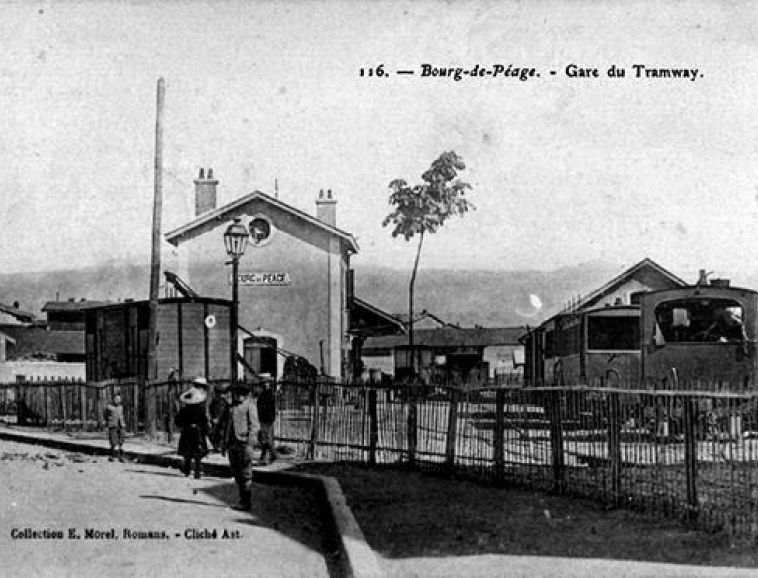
[598, 347]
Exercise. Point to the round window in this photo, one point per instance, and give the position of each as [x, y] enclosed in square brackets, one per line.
[260, 231]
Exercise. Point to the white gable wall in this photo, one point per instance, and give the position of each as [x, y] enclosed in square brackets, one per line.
[305, 313]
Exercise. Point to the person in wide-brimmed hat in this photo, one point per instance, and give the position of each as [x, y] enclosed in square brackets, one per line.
[193, 421]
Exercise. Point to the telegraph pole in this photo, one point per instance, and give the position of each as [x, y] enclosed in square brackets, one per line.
[155, 263]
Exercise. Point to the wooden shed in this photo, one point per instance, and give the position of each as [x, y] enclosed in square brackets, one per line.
[193, 337]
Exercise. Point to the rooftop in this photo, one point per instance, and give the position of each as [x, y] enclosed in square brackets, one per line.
[451, 337]
[72, 305]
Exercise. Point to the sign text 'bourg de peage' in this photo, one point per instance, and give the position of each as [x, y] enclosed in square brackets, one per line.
[262, 278]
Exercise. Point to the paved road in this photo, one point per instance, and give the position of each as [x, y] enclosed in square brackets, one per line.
[115, 509]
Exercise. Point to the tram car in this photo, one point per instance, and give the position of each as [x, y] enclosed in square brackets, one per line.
[680, 338]
[599, 347]
[702, 334]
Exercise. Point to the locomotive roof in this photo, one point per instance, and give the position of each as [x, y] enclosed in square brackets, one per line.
[710, 290]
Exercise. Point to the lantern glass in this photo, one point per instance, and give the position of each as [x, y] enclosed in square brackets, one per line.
[235, 239]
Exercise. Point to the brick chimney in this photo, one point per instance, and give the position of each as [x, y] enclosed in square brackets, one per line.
[205, 192]
[326, 208]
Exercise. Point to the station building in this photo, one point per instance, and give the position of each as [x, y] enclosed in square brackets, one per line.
[295, 279]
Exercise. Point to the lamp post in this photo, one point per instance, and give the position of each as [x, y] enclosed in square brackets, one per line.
[235, 241]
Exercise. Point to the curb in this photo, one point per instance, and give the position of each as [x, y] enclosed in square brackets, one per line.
[357, 559]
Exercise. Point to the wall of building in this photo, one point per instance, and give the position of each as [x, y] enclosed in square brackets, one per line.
[308, 311]
[385, 363]
[501, 358]
[41, 371]
[624, 292]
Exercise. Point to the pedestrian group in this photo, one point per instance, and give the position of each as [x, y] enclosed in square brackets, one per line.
[233, 422]
[232, 426]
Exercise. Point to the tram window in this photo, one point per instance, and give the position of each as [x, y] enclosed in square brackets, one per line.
[700, 320]
[613, 333]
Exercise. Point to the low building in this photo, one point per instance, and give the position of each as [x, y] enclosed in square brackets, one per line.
[35, 352]
[68, 315]
[449, 354]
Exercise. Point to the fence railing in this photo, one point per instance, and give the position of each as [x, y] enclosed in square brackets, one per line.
[691, 455]
[688, 454]
[148, 407]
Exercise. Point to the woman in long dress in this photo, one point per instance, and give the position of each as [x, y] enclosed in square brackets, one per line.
[192, 419]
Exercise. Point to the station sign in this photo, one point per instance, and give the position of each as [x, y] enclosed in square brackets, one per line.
[264, 279]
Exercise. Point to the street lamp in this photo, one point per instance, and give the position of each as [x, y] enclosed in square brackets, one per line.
[235, 241]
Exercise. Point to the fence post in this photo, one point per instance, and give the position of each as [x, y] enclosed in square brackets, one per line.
[64, 405]
[373, 424]
[20, 417]
[99, 407]
[315, 402]
[614, 444]
[150, 413]
[452, 428]
[82, 403]
[690, 454]
[47, 410]
[412, 422]
[498, 447]
[553, 407]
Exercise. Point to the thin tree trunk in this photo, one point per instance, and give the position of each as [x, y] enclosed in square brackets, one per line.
[410, 305]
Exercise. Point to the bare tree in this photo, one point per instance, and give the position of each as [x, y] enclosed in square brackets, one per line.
[423, 209]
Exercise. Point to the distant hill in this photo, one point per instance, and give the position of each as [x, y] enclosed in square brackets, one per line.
[111, 281]
[467, 297]
[487, 298]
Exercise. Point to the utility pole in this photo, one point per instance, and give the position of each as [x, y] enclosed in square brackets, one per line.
[155, 264]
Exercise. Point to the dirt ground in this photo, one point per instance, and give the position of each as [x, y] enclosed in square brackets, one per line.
[126, 504]
[410, 515]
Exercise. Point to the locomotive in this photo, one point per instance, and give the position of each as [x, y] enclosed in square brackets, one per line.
[668, 339]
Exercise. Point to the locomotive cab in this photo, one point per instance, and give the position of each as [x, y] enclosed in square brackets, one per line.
[700, 334]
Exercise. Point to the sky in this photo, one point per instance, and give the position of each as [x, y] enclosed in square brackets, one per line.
[563, 170]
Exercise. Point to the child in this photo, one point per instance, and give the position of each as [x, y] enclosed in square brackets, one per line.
[114, 419]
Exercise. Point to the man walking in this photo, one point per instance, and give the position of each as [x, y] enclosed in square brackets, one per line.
[266, 403]
[240, 430]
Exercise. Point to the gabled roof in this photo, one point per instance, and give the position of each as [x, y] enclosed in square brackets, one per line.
[590, 299]
[421, 317]
[174, 237]
[367, 320]
[450, 337]
[24, 316]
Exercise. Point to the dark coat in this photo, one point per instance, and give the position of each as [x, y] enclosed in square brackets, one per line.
[219, 410]
[193, 422]
[267, 406]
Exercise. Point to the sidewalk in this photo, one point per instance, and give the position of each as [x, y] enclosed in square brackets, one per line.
[136, 448]
[348, 551]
